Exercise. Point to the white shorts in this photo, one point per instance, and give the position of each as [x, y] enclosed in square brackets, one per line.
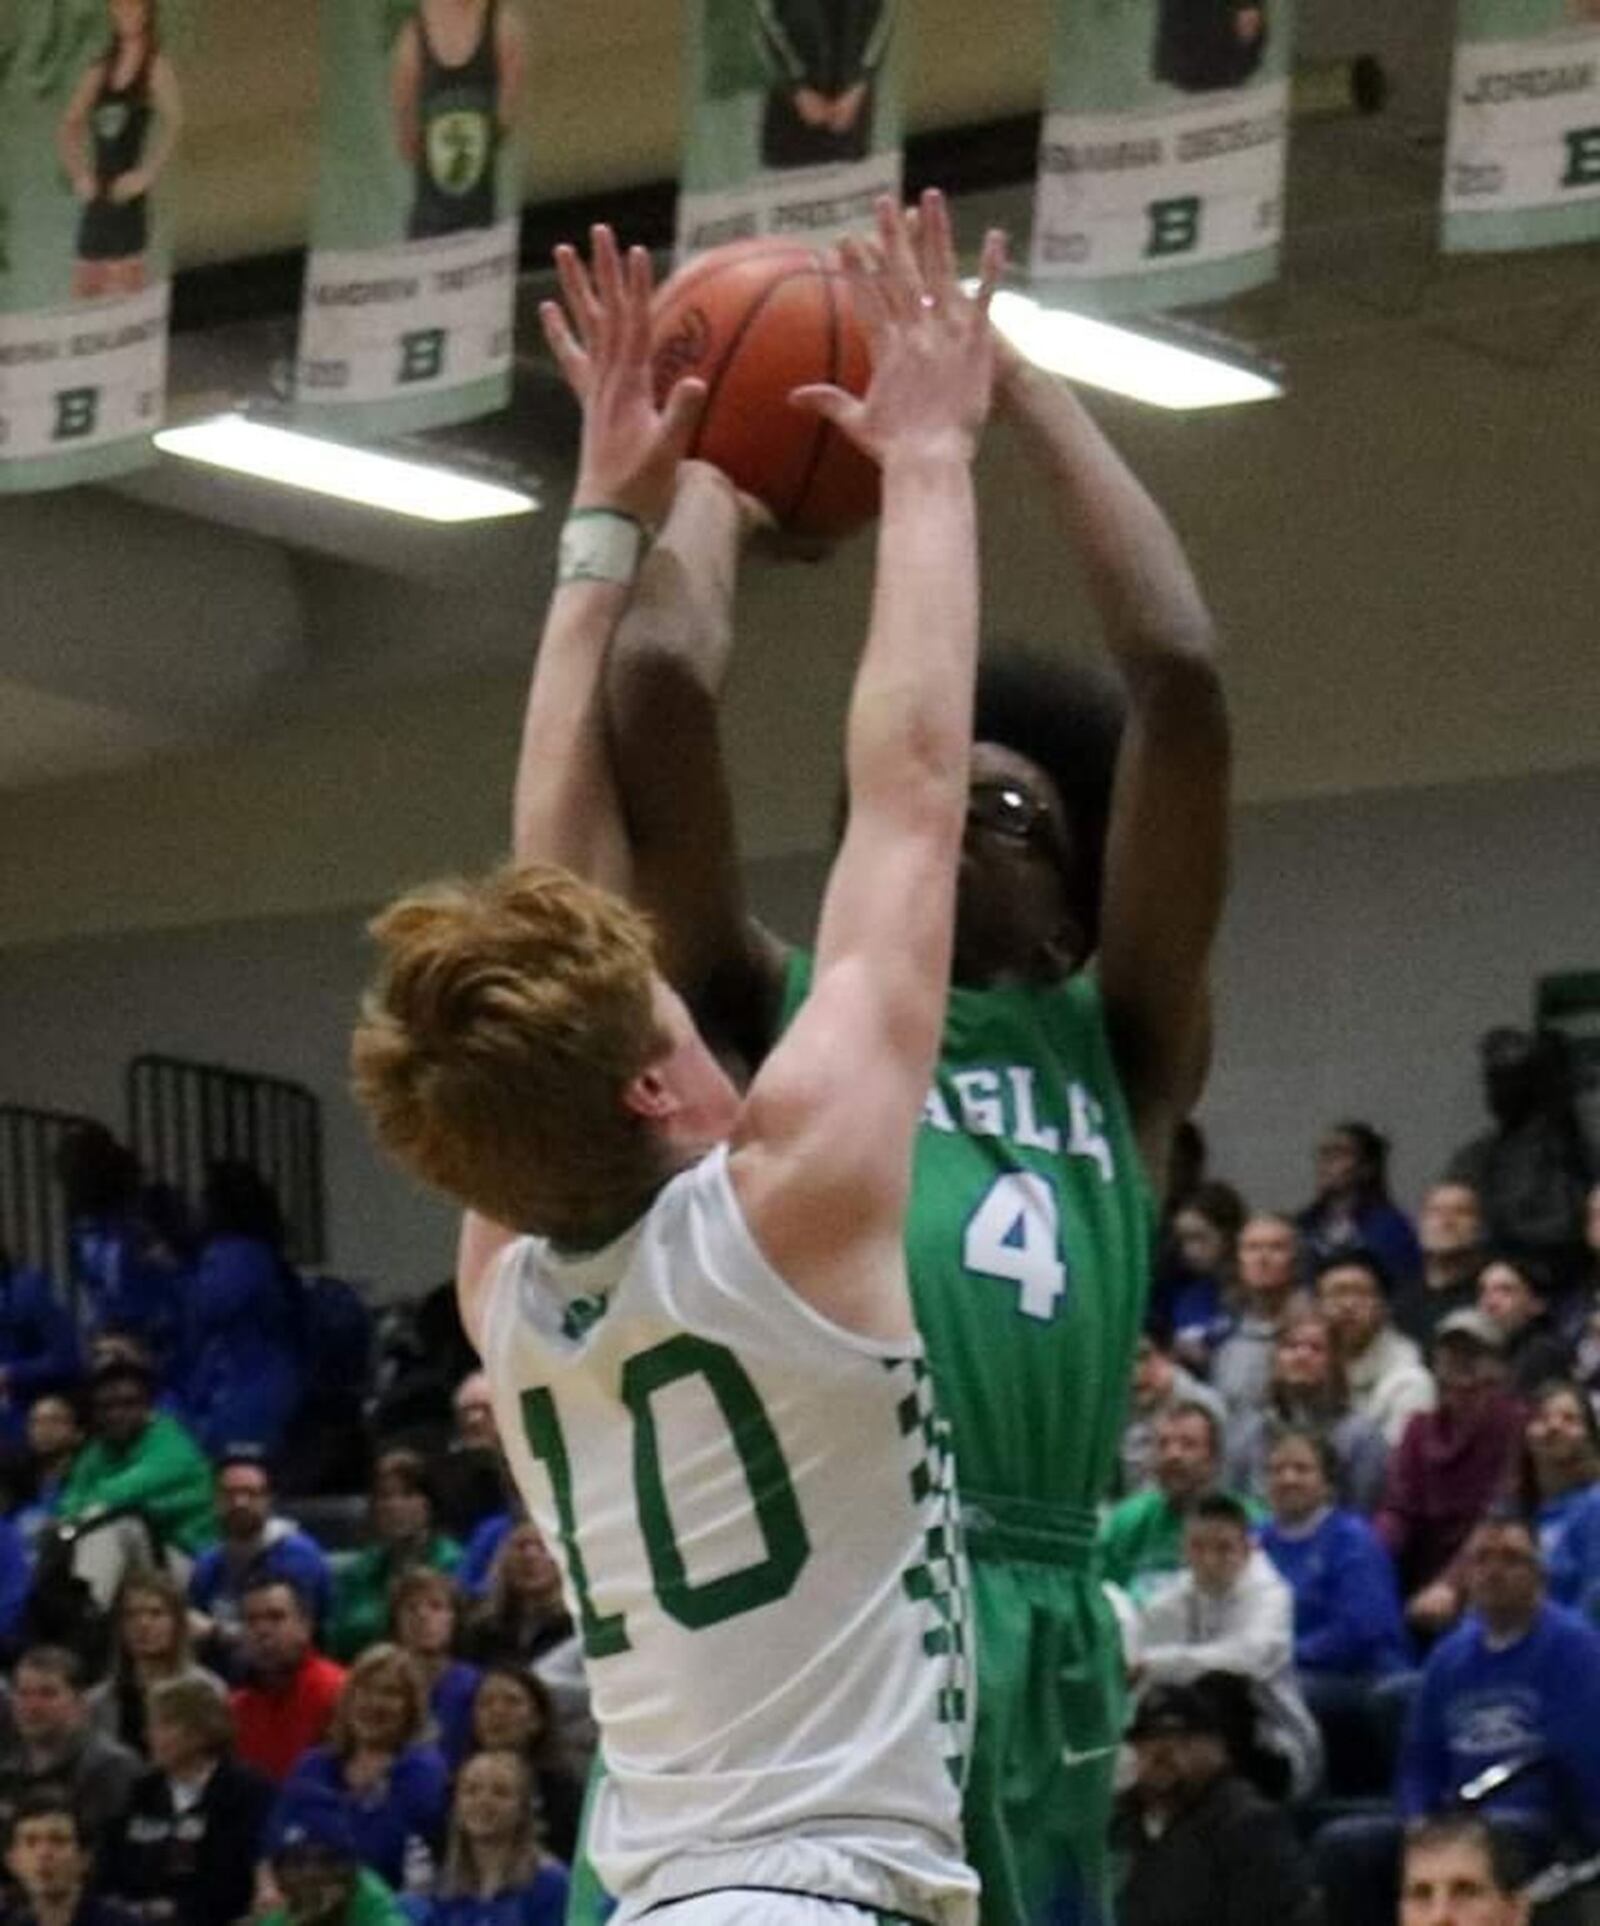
[758, 1906]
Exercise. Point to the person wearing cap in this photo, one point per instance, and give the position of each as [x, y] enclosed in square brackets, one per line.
[1448, 1468]
[314, 1872]
[140, 1463]
[1387, 1380]
[1196, 1844]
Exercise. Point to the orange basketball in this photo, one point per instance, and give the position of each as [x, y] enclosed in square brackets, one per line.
[754, 321]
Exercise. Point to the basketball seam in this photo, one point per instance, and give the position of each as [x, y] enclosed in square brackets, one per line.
[819, 440]
[732, 349]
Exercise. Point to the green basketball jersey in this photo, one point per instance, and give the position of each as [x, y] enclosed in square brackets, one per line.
[1029, 1239]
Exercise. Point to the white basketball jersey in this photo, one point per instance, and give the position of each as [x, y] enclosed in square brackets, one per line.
[755, 1515]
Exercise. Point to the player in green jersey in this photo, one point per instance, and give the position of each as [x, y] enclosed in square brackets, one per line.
[1090, 890]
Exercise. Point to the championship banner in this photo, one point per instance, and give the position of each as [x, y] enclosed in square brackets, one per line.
[794, 118]
[1162, 154]
[406, 320]
[1522, 168]
[91, 110]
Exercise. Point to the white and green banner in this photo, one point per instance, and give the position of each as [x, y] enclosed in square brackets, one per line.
[91, 109]
[1162, 155]
[1523, 164]
[793, 118]
[410, 286]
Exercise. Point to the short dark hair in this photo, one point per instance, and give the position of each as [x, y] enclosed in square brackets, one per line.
[1193, 1408]
[1067, 718]
[123, 1370]
[250, 1457]
[1318, 1442]
[46, 1802]
[1533, 1271]
[57, 1661]
[1357, 1257]
[1220, 1508]
[1501, 1851]
[277, 1582]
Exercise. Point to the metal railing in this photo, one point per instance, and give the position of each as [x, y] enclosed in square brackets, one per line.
[33, 1211]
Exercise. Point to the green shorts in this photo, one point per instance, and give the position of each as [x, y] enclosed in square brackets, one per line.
[1051, 1696]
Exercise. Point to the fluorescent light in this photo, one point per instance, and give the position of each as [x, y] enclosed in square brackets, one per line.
[335, 468]
[1141, 366]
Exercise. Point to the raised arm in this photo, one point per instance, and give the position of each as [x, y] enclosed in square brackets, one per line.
[565, 808]
[822, 1161]
[1166, 854]
[405, 90]
[72, 132]
[663, 683]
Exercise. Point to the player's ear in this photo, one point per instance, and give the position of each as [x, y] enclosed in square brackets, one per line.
[647, 1095]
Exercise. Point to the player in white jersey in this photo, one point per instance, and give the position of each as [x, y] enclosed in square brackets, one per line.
[693, 1308]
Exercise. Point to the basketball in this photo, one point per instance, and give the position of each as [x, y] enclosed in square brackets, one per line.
[756, 320]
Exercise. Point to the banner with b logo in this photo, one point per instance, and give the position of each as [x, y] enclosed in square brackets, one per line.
[1523, 164]
[794, 125]
[410, 287]
[1162, 153]
[91, 109]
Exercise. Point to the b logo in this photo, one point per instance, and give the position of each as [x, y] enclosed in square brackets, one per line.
[1583, 158]
[77, 414]
[422, 354]
[1174, 226]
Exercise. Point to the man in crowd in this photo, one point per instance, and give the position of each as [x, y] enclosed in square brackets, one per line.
[1269, 1262]
[1230, 1612]
[1517, 1682]
[1387, 1379]
[50, 1858]
[286, 1701]
[254, 1544]
[52, 1744]
[1514, 1294]
[1458, 1871]
[1160, 1385]
[314, 1869]
[142, 1472]
[1197, 1844]
[1449, 1467]
[1141, 1543]
[1451, 1233]
[469, 1479]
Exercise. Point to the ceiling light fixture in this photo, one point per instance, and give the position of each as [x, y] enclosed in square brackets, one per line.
[1144, 367]
[295, 460]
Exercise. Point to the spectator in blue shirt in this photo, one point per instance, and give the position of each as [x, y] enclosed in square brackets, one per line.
[129, 1245]
[254, 1546]
[1353, 1210]
[1348, 1630]
[394, 1786]
[483, 1547]
[16, 1581]
[1561, 1493]
[494, 1871]
[55, 1436]
[424, 1621]
[245, 1331]
[1518, 1680]
[38, 1345]
[1194, 1292]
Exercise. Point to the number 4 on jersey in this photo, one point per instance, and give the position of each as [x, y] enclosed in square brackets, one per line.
[1014, 1237]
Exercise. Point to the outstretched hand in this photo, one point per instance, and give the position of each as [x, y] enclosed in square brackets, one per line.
[932, 348]
[599, 334]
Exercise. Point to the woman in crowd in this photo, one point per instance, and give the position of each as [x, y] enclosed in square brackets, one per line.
[185, 1850]
[1308, 1391]
[1348, 1630]
[1514, 1294]
[494, 1871]
[522, 1614]
[246, 1333]
[1353, 1210]
[1196, 1296]
[403, 1535]
[426, 1611]
[394, 1785]
[1561, 1492]
[151, 1617]
[512, 1713]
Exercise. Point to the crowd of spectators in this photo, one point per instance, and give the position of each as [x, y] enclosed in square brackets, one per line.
[1354, 1551]
[1356, 1548]
[228, 1700]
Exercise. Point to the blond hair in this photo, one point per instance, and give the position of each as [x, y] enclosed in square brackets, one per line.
[380, 1661]
[495, 1045]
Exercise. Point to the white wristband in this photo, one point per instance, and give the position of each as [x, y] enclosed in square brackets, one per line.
[599, 545]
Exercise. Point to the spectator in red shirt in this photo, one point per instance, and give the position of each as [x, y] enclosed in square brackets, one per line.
[284, 1707]
[1449, 1466]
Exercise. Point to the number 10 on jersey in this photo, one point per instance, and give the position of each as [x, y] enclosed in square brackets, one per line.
[1014, 1236]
